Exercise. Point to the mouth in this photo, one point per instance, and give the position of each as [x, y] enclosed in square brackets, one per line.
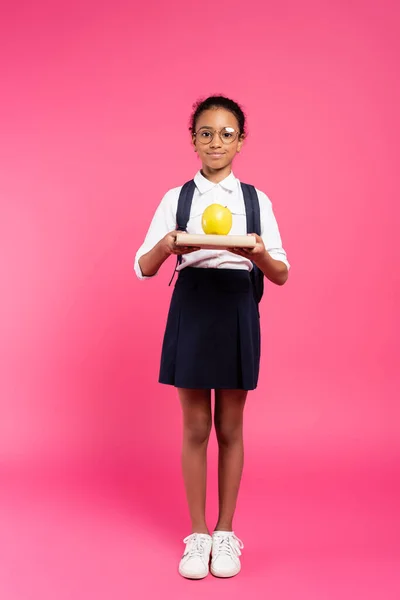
[216, 154]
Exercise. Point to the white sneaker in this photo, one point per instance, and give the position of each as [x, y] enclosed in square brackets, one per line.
[226, 549]
[196, 558]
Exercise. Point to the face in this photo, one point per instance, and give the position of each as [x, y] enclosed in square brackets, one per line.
[216, 155]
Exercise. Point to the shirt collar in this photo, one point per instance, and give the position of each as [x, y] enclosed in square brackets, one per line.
[205, 185]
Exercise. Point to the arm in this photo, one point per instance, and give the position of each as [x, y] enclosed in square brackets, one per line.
[268, 254]
[275, 270]
[159, 243]
[151, 262]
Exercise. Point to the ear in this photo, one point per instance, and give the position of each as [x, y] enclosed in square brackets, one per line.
[240, 143]
[194, 142]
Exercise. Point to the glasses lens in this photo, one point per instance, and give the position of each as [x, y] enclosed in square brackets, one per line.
[204, 136]
[228, 135]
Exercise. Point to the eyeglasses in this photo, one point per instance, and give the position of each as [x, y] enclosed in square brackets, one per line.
[227, 135]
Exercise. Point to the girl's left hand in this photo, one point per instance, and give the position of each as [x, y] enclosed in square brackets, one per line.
[252, 253]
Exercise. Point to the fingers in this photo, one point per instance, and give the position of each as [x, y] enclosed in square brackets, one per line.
[178, 250]
[241, 252]
[187, 250]
[193, 250]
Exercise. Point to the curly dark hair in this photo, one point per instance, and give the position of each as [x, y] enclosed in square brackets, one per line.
[218, 102]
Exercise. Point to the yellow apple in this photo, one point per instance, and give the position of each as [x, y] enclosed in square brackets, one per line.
[216, 220]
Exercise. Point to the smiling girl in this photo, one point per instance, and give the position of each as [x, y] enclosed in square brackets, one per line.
[212, 336]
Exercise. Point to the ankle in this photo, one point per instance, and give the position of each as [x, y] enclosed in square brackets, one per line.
[223, 527]
[200, 528]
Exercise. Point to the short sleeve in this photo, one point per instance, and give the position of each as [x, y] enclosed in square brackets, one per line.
[270, 230]
[163, 221]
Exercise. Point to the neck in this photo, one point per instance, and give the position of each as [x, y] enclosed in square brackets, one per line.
[216, 175]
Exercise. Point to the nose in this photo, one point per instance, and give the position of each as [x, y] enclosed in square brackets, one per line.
[216, 143]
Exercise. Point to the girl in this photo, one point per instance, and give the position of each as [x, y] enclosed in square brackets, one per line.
[212, 337]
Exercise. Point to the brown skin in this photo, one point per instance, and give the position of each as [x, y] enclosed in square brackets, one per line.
[217, 169]
[228, 422]
[229, 404]
[197, 424]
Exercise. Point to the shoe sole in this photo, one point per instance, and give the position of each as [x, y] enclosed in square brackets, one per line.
[195, 577]
[223, 576]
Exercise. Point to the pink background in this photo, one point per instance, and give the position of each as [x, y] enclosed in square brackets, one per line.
[94, 104]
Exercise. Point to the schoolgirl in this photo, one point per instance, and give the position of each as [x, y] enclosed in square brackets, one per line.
[212, 336]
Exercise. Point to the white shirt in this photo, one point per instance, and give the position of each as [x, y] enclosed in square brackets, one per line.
[228, 193]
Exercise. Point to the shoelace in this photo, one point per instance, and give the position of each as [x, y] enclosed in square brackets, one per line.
[229, 545]
[196, 545]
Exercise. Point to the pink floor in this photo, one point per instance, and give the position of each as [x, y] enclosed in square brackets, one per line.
[318, 535]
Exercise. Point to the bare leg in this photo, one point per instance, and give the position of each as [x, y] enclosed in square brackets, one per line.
[197, 422]
[229, 405]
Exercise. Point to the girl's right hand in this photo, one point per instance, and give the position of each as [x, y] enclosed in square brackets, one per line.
[150, 262]
[168, 244]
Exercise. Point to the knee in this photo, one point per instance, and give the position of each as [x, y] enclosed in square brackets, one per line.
[228, 434]
[197, 431]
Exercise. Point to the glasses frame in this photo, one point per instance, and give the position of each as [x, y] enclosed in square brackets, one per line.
[213, 132]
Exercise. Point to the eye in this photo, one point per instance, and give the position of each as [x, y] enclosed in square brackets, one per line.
[205, 134]
[228, 133]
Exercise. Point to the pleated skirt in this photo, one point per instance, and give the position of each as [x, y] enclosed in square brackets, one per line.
[212, 336]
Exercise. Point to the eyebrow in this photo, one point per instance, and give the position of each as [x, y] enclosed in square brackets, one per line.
[209, 127]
